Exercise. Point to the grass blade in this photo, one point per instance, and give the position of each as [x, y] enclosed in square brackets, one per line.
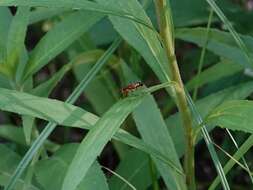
[106, 9]
[235, 35]
[5, 20]
[238, 155]
[209, 143]
[16, 38]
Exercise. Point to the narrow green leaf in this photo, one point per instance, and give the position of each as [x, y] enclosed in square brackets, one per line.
[27, 122]
[44, 108]
[231, 29]
[5, 20]
[238, 155]
[59, 38]
[145, 41]
[39, 15]
[77, 5]
[46, 87]
[96, 139]
[234, 115]
[16, 38]
[58, 165]
[154, 132]
[208, 141]
[219, 42]
[220, 70]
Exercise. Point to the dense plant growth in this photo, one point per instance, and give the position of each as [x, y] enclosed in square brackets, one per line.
[126, 94]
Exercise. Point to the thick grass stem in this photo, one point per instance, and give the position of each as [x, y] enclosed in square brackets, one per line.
[166, 32]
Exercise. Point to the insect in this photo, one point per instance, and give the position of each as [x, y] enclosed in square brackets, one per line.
[131, 87]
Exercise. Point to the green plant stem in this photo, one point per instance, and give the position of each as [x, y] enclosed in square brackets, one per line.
[166, 32]
[202, 56]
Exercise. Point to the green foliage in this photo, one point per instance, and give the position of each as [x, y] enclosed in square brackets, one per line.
[89, 51]
[233, 115]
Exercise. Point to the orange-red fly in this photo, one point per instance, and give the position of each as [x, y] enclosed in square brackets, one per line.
[131, 87]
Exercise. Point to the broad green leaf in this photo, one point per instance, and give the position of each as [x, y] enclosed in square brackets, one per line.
[219, 42]
[59, 38]
[58, 165]
[5, 20]
[96, 139]
[44, 108]
[135, 169]
[46, 87]
[8, 162]
[16, 38]
[144, 40]
[234, 115]
[205, 106]
[220, 70]
[154, 132]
